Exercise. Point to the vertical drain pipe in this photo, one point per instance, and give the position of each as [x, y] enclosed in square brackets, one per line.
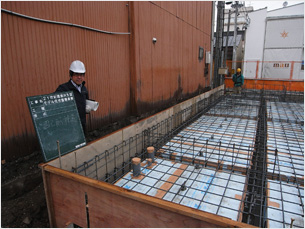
[212, 44]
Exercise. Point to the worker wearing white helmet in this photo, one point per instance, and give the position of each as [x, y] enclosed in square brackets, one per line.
[77, 85]
[238, 80]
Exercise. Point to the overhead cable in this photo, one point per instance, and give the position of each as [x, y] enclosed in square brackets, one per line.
[62, 23]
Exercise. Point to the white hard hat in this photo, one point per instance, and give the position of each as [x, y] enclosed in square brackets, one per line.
[77, 66]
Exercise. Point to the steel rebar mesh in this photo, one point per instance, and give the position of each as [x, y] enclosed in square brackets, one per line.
[226, 140]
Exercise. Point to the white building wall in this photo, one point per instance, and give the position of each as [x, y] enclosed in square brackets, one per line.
[272, 36]
[287, 32]
[254, 43]
[297, 9]
[284, 43]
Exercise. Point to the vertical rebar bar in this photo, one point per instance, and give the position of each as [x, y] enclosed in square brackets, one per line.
[275, 156]
[233, 155]
[219, 150]
[193, 151]
[206, 152]
[96, 173]
[107, 173]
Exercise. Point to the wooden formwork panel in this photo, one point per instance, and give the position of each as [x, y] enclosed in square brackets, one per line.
[111, 206]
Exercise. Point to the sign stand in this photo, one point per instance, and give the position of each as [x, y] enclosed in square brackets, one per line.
[59, 155]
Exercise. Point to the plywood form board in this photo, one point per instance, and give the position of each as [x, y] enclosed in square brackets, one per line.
[284, 203]
[67, 201]
[207, 190]
[111, 206]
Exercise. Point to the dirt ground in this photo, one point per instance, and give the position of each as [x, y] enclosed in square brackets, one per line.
[23, 203]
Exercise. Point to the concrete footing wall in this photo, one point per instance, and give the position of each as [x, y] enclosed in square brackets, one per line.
[73, 159]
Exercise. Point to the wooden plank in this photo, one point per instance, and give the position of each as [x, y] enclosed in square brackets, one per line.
[49, 199]
[118, 211]
[128, 208]
[68, 199]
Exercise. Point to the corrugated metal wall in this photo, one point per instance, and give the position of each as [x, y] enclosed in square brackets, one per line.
[169, 70]
[127, 74]
[36, 57]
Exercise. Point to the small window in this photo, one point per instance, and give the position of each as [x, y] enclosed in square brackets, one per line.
[201, 51]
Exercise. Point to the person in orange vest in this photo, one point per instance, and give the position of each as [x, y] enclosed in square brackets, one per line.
[238, 80]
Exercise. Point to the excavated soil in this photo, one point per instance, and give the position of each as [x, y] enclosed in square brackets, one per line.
[23, 201]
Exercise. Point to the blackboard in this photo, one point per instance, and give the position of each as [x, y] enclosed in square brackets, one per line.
[56, 121]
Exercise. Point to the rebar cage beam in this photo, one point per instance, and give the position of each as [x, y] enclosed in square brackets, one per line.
[238, 156]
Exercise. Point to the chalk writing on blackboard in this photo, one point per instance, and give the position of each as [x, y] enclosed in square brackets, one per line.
[56, 119]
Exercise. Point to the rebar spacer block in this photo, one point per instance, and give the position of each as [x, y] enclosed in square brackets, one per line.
[151, 153]
[150, 149]
[136, 166]
[136, 160]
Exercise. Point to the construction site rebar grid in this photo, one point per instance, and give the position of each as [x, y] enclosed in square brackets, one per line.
[238, 156]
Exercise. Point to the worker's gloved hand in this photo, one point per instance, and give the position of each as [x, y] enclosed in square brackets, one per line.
[91, 105]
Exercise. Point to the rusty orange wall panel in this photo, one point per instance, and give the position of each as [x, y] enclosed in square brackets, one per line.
[36, 56]
[186, 10]
[170, 69]
[144, 48]
[269, 84]
[187, 54]
[204, 16]
[170, 6]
